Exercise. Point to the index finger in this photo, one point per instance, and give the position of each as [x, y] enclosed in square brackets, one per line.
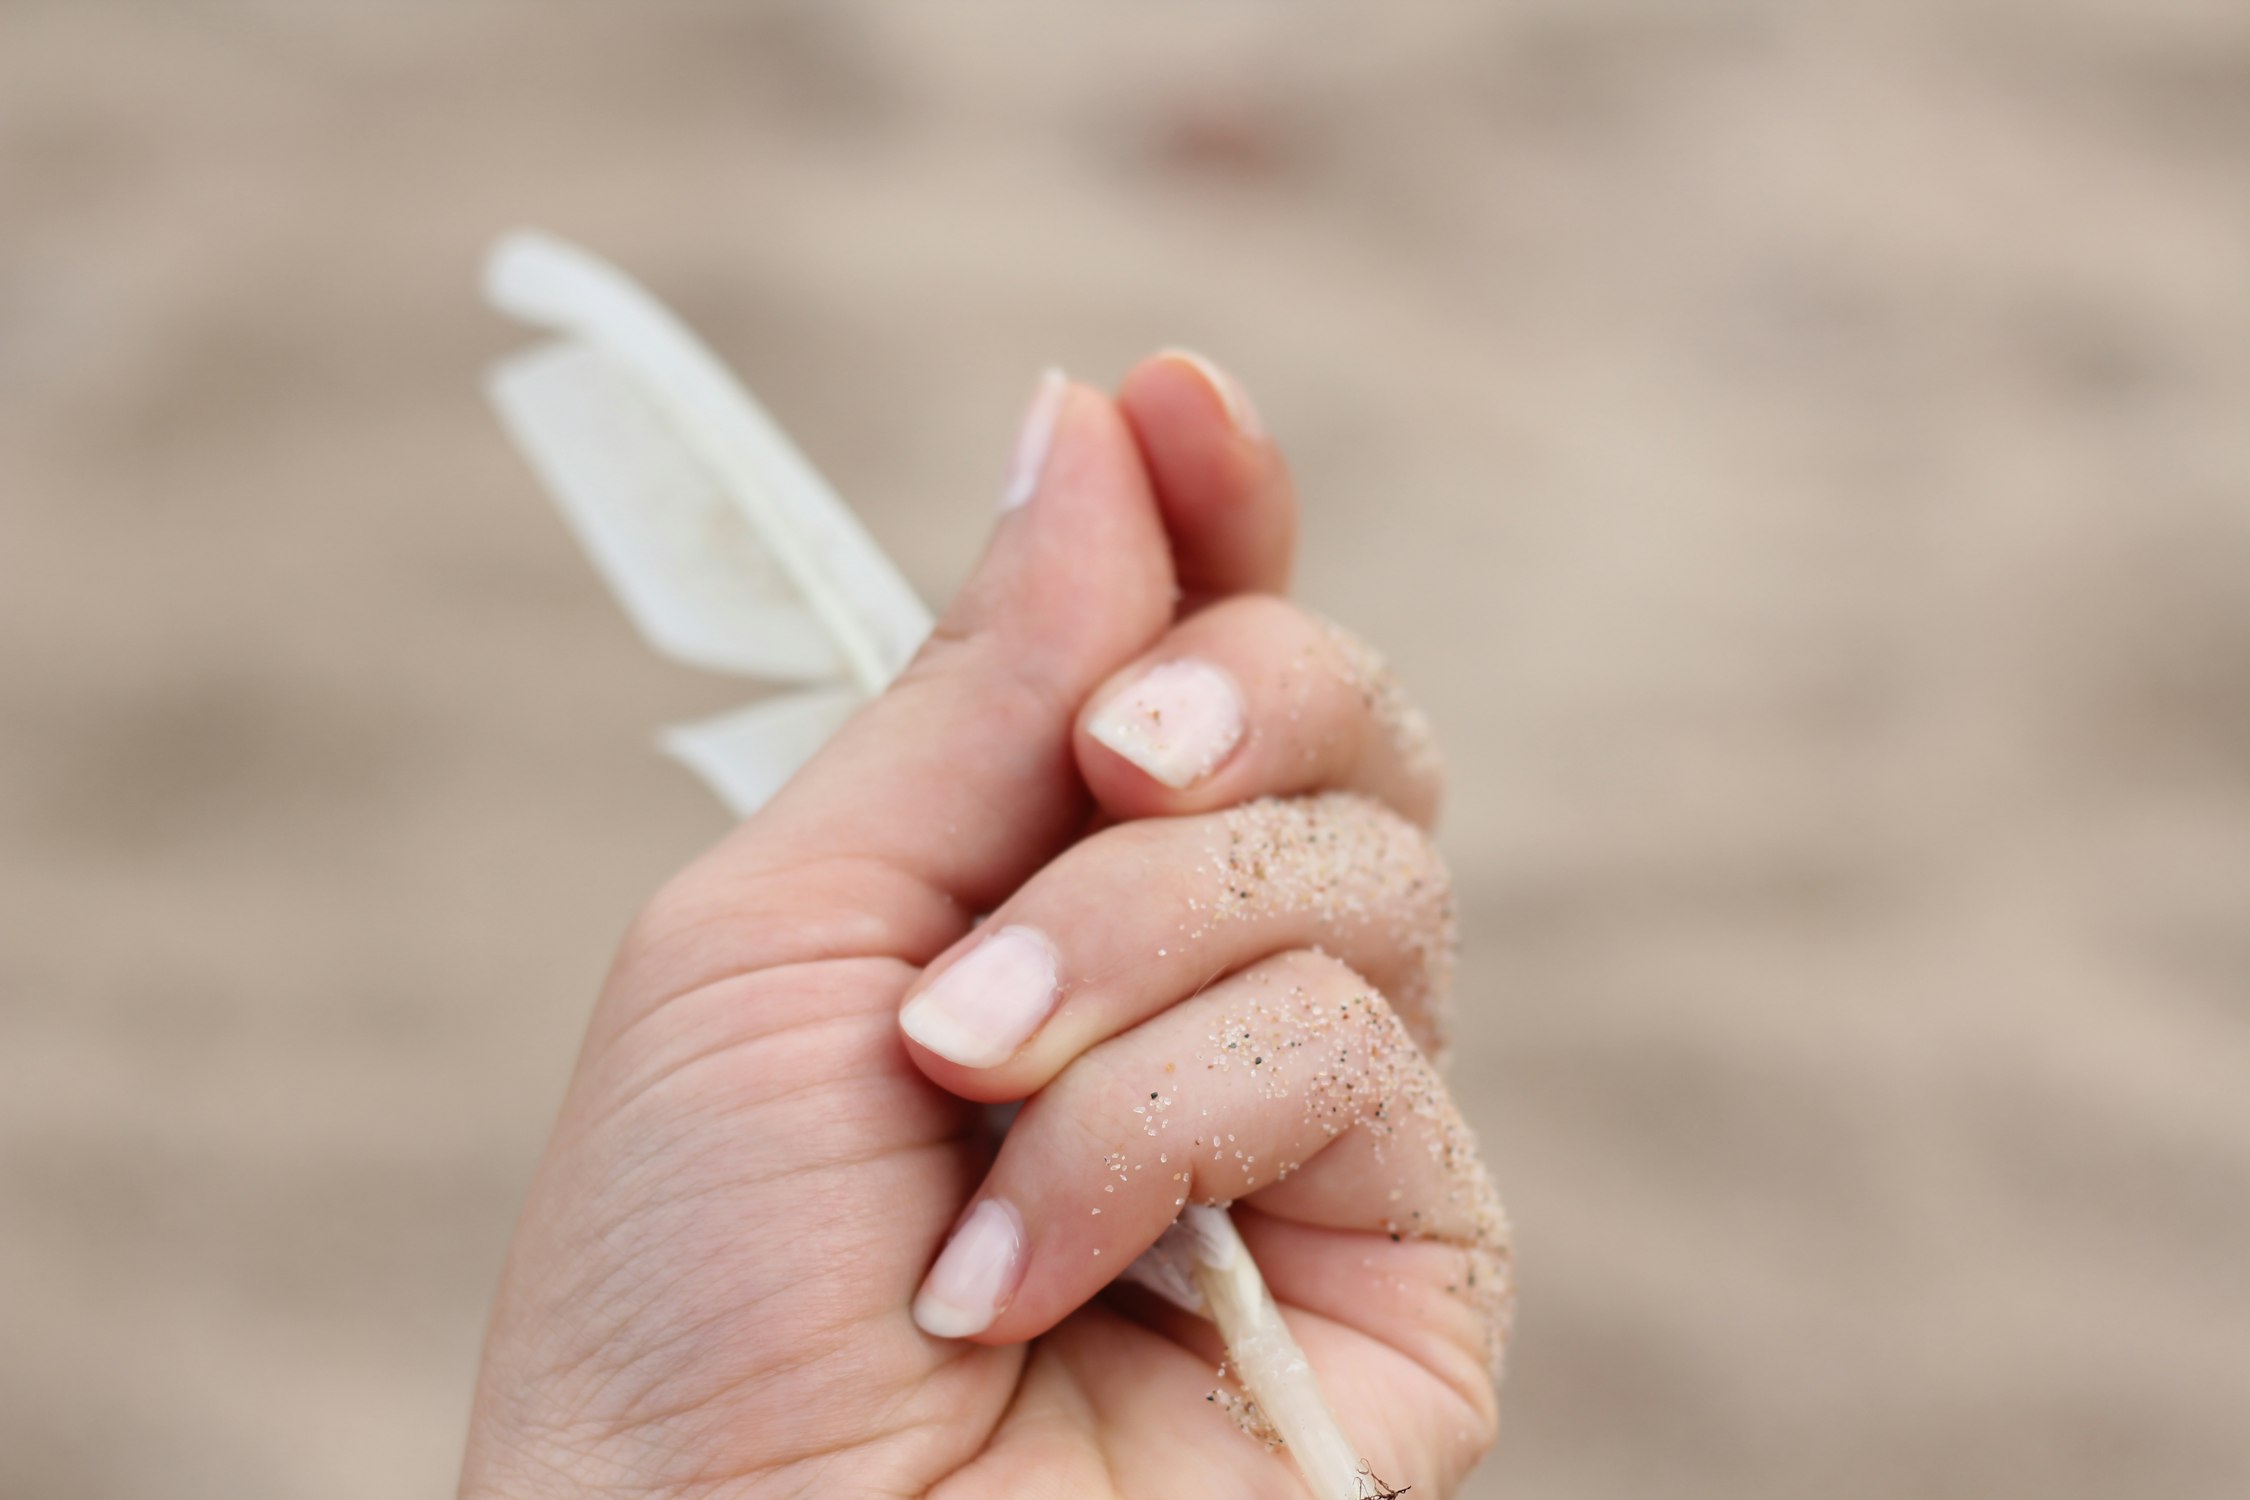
[1229, 504]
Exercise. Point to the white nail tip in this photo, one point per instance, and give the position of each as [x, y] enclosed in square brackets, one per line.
[989, 1002]
[1034, 439]
[940, 1320]
[1177, 721]
[974, 1274]
[1240, 411]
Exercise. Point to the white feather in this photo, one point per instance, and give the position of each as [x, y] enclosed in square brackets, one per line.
[745, 756]
[674, 548]
[723, 543]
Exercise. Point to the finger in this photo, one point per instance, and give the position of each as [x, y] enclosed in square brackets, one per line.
[1227, 497]
[1255, 697]
[950, 788]
[1293, 1086]
[1129, 920]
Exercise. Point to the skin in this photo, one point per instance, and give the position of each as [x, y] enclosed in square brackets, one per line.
[708, 1293]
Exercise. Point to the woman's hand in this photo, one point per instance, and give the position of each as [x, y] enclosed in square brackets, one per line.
[771, 1249]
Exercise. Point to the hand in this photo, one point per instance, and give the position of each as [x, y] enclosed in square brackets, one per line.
[728, 1278]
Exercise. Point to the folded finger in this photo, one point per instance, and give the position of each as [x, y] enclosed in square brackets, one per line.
[1294, 1086]
[1128, 921]
[1255, 697]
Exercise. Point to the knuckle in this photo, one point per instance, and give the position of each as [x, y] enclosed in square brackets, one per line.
[1345, 680]
[1394, 841]
[1345, 857]
[1387, 717]
[1316, 972]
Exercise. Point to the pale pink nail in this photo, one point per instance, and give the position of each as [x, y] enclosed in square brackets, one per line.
[1232, 396]
[988, 1002]
[975, 1274]
[1034, 439]
[1177, 721]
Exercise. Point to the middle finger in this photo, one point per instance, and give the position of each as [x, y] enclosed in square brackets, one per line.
[1136, 917]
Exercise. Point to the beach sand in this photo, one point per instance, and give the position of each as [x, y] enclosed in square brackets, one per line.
[1800, 455]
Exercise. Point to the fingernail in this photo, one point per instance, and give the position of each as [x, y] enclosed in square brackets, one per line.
[1034, 439]
[1231, 395]
[988, 1002]
[1176, 721]
[975, 1275]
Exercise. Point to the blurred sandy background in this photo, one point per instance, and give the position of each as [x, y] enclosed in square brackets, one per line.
[1800, 452]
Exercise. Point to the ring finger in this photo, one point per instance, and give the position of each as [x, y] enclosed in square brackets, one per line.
[1292, 1085]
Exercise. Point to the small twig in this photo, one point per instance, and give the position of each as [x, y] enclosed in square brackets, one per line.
[1371, 1486]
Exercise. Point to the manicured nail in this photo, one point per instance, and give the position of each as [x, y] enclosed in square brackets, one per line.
[975, 1275]
[1034, 439]
[1176, 721]
[988, 1002]
[1231, 395]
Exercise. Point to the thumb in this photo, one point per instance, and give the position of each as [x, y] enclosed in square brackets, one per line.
[943, 794]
